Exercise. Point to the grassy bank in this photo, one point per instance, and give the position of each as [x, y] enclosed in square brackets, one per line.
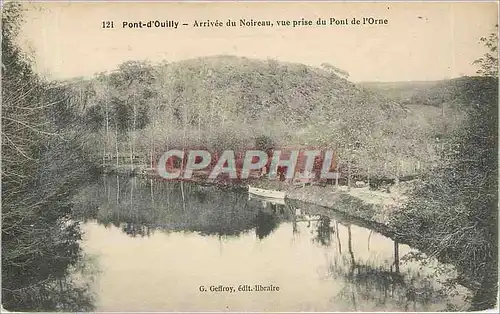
[374, 206]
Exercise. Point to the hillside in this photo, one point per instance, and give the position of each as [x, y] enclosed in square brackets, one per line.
[240, 89]
[226, 102]
[257, 89]
[433, 93]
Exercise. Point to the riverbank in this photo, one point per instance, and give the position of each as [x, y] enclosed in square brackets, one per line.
[372, 209]
[361, 202]
[374, 206]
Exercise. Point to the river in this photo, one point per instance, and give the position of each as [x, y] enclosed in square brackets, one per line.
[160, 246]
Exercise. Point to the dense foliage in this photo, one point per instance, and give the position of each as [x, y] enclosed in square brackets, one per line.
[428, 93]
[488, 64]
[454, 214]
[41, 166]
[226, 102]
[53, 133]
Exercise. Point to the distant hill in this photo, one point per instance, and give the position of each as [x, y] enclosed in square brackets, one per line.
[227, 102]
[434, 93]
[229, 91]
[267, 89]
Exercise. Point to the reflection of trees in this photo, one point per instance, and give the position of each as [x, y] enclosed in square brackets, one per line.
[265, 223]
[212, 211]
[162, 206]
[324, 231]
[50, 284]
[38, 260]
[365, 281]
[53, 294]
[133, 229]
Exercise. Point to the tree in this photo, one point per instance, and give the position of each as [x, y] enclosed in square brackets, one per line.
[42, 163]
[335, 70]
[454, 215]
[488, 64]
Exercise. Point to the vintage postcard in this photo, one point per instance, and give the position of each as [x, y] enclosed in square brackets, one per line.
[249, 156]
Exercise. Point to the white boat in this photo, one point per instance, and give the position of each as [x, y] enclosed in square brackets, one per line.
[272, 200]
[266, 193]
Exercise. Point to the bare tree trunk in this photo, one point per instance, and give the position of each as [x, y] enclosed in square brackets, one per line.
[396, 255]
[117, 190]
[398, 172]
[183, 153]
[349, 175]
[134, 120]
[107, 123]
[104, 156]
[109, 189]
[152, 146]
[349, 246]
[151, 158]
[117, 164]
[337, 173]
[106, 142]
[104, 179]
[338, 236]
[211, 106]
[368, 179]
[183, 196]
[369, 237]
[151, 192]
[130, 152]
[116, 146]
[132, 193]
[199, 127]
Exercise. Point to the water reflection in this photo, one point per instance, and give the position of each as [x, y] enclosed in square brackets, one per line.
[324, 231]
[41, 255]
[265, 223]
[159, 241]
[58, 279]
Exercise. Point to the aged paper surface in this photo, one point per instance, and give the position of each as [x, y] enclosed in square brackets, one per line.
[249, 156]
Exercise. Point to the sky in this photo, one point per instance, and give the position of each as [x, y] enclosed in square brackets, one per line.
[422, 41]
